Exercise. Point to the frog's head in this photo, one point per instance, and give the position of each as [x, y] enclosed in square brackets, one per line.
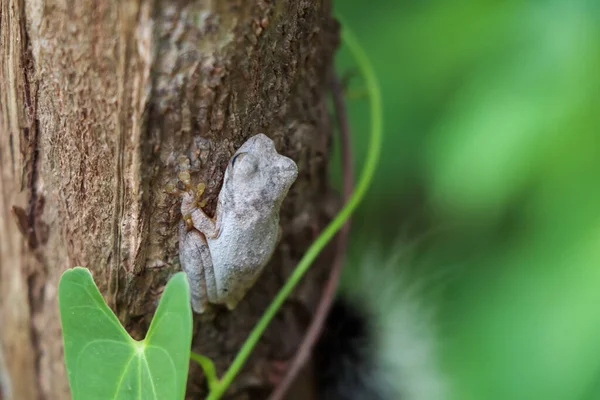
[258, 175]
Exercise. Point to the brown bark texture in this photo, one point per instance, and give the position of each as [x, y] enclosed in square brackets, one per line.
[98, 99]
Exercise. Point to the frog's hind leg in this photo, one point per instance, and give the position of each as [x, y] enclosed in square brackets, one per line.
[195, 260]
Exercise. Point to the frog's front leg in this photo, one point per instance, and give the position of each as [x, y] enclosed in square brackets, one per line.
[199, 220]
[196, 262]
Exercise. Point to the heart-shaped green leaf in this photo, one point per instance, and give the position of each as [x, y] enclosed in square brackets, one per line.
[104, 362]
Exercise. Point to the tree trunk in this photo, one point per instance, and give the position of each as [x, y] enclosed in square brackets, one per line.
[97, 101]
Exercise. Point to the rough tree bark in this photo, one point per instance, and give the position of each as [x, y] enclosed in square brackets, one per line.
[97, 101]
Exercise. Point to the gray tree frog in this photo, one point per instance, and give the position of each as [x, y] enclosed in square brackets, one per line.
[224, 256]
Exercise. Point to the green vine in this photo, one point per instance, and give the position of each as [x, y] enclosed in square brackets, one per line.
[209, 369]
[218, 387]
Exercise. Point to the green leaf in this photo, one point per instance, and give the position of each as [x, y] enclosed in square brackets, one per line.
[104, 362]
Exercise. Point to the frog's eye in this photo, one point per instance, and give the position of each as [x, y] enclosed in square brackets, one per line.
[235, 158]
[244, 165]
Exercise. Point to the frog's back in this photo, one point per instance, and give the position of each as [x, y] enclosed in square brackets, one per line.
[240, 252]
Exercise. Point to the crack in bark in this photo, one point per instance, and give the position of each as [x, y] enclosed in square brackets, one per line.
[5, 389]
[11, 145]
[31, 135]
[119, 199]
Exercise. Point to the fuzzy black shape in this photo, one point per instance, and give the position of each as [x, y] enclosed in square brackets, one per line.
[344, 355]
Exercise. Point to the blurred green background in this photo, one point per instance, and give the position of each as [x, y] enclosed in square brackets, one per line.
[491, 156]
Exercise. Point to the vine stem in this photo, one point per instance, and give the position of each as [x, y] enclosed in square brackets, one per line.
[375, 108]
[328, 295]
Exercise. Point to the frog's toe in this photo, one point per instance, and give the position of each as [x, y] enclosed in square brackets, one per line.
[232, 304]
[200, 189]
[171, 188]
[189, 223]
[199, 306]
[185, 178]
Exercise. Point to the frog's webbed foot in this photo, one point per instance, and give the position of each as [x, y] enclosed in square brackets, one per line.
[190, 199]
[183, 185]
[193, 214]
